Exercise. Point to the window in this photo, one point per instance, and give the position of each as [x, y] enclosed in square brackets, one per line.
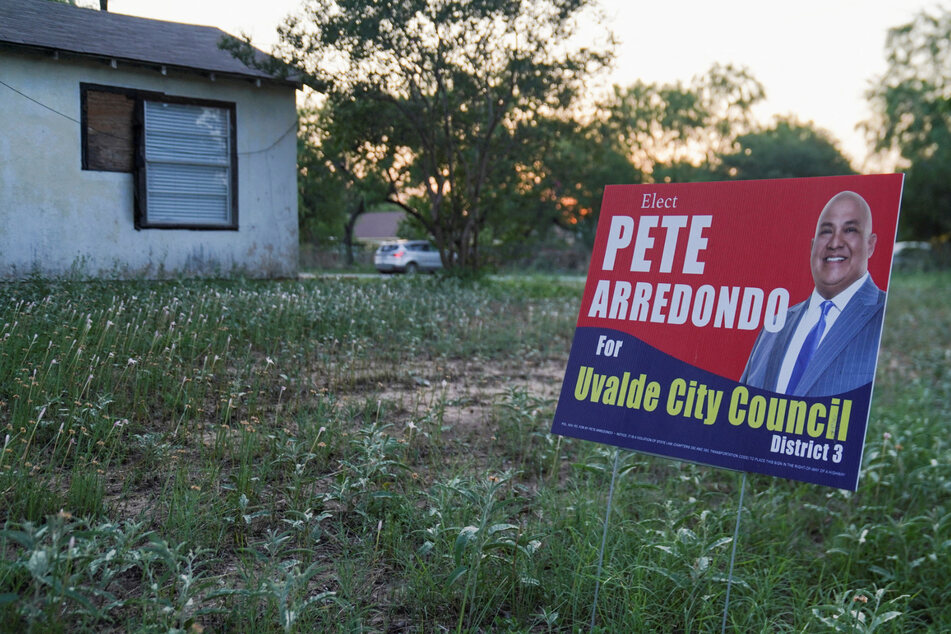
[187, 166]
[181, 152]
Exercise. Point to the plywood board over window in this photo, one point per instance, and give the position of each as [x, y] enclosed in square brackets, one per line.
[108, 137]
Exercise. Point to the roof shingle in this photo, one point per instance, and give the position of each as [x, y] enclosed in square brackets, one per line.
[61, 27]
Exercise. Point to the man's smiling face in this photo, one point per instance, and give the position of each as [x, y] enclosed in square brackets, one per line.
[843, 243]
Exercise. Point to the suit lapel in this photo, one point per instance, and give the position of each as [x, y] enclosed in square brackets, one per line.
[852, 320]
[783, 337]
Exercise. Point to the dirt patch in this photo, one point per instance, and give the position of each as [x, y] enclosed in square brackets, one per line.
[466, 391]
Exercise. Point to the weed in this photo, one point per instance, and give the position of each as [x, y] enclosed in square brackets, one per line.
[370, 455]
[858, 611]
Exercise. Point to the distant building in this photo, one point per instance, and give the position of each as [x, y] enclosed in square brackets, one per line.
[138, 148]
[374, 227]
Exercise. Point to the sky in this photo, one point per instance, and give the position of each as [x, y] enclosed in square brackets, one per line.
[815, 58]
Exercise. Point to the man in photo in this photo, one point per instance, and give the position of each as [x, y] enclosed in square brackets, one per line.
[829, 343]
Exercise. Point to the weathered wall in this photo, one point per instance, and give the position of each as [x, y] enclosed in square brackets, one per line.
[58, 220]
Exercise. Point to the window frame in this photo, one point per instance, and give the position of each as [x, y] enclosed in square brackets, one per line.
[141, 193]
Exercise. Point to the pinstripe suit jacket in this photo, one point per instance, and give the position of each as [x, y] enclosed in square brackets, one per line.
[845, 359]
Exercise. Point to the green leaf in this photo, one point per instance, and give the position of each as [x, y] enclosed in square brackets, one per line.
[465, 536]
[329, 594]
[498, 544]
[720, 542]
[21, 537]
[458, 572]
[83, 601]
[39, 564]
[884, 618]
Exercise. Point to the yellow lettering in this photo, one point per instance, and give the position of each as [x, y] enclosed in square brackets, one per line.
[815, 428]
[678, 387]
[739, 398]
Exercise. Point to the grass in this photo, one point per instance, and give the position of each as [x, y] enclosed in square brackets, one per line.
[373, 455]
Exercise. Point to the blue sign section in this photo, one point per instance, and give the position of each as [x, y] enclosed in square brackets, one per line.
[620, 391]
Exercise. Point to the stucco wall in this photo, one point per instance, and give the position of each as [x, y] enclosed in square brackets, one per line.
[58, 220]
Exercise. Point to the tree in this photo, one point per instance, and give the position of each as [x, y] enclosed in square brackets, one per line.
[447, 84]
[558, 180]
[788, 149]
[676, 130]
[322, 200]
[341, 174]
[912, 107]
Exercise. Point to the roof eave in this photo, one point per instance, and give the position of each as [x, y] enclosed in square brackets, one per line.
[210, 73]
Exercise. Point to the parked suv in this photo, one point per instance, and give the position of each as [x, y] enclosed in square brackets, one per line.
[407, 256]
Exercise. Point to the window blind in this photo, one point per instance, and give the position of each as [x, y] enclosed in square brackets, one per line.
[188, 164]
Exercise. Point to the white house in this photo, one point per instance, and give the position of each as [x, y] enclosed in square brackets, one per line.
[138, 148]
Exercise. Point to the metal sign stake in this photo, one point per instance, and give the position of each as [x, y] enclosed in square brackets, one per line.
[604, 540]
[736, 535]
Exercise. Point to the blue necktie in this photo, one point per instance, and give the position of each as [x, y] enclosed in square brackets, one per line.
[809, 347]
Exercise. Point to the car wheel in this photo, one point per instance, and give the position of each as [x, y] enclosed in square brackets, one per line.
[412, 268]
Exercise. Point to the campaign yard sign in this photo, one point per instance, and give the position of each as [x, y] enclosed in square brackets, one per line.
[735, 324]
